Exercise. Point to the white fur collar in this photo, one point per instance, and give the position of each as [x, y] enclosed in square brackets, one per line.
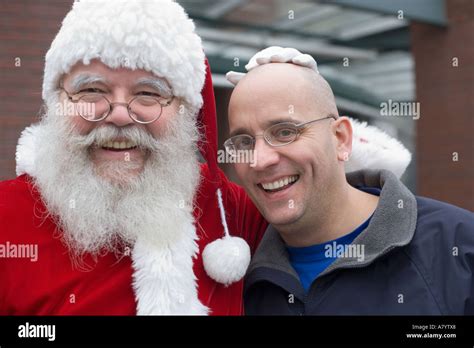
[163, 278]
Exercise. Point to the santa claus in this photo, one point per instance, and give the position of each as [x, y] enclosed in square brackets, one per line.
[125, 218]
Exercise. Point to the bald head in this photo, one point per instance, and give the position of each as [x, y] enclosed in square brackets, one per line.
[262, 102]
[301, 86]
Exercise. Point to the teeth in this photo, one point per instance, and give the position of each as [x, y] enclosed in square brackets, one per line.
[280, 183]
[119, 145]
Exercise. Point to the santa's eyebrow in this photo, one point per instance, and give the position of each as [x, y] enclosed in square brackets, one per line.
[156, 83]
[85, 79]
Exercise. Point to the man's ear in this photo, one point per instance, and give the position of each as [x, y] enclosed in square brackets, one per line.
[342, 130]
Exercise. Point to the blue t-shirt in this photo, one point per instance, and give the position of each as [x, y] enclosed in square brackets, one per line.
[310, 261]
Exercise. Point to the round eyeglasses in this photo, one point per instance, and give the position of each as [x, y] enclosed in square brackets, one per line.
[95, 107]
[279, 134]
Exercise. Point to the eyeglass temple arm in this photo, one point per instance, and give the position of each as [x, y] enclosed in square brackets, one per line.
[312, 121]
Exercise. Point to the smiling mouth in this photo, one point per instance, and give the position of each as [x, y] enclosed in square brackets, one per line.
[279, 185]
[119, 146]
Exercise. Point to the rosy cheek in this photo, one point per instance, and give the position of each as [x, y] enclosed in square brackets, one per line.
[158, 128]
[82, 126]
[154, 129]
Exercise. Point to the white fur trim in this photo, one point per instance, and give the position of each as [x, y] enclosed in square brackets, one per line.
[164, 280]
[374, 149]
[154, 35]
[25, 151]
[226, 259]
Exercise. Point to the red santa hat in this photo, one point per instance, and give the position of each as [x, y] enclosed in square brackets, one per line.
[156, 36]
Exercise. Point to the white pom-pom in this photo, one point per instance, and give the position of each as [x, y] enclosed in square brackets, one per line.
[226, 259]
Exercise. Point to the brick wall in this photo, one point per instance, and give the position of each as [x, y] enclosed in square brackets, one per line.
[446, 96]
[27, 28]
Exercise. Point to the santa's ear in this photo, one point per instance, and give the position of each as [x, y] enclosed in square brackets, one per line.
[342, 130]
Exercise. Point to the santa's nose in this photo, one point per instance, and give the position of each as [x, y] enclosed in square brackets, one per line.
[119, 115]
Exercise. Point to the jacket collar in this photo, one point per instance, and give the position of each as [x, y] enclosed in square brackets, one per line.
[392, 225]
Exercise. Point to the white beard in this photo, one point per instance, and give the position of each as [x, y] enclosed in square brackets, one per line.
[151, 212]
[96, 215]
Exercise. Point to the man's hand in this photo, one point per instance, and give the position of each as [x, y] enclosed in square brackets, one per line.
[274, 54]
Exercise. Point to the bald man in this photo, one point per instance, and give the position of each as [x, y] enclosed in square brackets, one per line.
[357, 244]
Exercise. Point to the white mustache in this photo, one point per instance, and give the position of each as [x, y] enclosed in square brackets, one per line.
[102, 135]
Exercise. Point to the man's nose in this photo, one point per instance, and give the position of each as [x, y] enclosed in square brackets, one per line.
[264, 155]
[118, 115]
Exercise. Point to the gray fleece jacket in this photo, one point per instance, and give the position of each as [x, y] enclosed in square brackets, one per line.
[418, 260]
